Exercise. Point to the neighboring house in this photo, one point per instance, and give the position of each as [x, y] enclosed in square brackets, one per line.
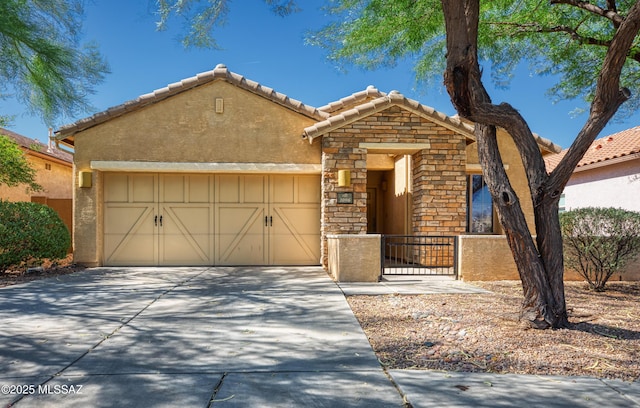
[220, 170]
[607, 176]
[54, 172]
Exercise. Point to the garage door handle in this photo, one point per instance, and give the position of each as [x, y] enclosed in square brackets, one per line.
[271, 221]
[155, 220]
[161, 220]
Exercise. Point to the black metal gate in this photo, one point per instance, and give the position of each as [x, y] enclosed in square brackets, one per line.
[419, 255]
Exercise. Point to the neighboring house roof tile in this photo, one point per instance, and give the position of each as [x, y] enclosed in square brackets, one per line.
[379, 104]
[37, 147]
[65, 133]
[616, 146]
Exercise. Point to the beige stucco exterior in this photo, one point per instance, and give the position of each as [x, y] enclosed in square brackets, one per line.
[414, 160]
[354, 257]
[184, 129]
[515, 172]
[488, 258]
[54, 175]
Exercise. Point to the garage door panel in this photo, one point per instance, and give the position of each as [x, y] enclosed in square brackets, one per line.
[186, 237]
[240, 235]
[300, 250]
[143, 188]
[295, 237]
[116, 188]
[129, 237]
[200, 189]
[309, 191]
[283, 189]
[254, 189]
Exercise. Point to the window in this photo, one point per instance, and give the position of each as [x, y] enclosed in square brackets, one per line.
[47, 166]
[561, 204]
[479, 206]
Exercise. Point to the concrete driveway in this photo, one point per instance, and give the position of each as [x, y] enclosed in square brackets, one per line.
[192, 337]
[234, 337]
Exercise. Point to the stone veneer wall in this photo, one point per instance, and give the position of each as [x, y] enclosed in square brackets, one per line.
[439, 185]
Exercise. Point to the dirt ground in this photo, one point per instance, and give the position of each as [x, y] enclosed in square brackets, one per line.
[481, 332]
[48, 270]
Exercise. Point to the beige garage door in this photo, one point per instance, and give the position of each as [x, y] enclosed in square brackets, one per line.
[158, 219]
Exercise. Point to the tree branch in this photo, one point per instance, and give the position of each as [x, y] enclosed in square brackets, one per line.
[537, 28]
[610, 14]
[608, 98]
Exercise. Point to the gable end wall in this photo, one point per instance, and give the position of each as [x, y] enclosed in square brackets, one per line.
[439, 186]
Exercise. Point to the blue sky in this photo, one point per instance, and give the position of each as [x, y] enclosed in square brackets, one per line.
[271, 50]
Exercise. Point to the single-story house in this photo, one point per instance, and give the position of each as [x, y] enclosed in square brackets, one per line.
[54, 172]
[607, 176]
[220, 170]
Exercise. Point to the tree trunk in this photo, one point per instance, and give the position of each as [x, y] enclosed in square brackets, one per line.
[544, 304]
[540, 264]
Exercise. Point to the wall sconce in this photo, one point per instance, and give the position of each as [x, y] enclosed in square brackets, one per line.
[344, 178]
[84, 179]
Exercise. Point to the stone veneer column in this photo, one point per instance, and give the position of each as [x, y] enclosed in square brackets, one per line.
[340, 151]
[439, 186]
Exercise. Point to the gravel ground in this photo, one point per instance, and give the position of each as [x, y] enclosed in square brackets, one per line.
[481, 332]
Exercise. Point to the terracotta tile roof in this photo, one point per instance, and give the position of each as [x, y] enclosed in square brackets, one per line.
[36, 146]
[381, 103]
[352, 100]
[616, 146]
[547, 144]
[330, 116]
[65, 133]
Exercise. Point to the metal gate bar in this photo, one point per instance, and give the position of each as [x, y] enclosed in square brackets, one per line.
[419, 255]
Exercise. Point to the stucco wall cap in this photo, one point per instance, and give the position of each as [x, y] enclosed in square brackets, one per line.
[353, 236]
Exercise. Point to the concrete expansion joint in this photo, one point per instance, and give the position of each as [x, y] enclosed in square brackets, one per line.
[105, 337]
[405, 399]
[214, 395]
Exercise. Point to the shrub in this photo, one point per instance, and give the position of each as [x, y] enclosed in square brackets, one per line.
[599, 242]
[29, 233]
